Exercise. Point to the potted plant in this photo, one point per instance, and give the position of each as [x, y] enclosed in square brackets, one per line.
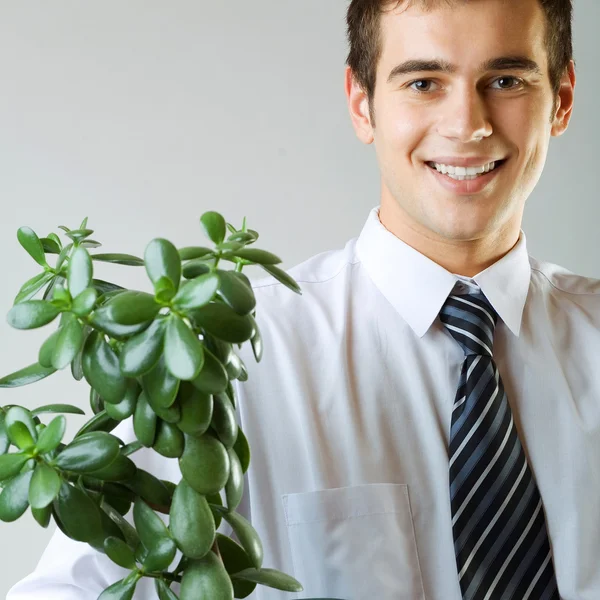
[166, 360]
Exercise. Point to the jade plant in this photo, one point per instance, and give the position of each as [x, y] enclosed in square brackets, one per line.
[166, 360]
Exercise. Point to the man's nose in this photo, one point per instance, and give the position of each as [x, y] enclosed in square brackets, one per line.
[464, 116]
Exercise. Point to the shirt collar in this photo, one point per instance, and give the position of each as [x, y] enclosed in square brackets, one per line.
[417, 287]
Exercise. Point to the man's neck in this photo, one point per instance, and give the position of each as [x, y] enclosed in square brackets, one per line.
[460, 257]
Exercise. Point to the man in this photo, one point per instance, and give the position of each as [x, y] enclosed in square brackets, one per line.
[424, 423]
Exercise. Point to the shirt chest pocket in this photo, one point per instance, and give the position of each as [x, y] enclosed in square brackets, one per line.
[354, 543]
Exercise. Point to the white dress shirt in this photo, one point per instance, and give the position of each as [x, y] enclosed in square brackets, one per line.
[348, 418]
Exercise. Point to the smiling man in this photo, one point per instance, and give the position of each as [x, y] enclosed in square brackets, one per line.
[424, 422]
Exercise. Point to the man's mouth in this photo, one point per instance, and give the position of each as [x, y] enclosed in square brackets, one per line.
[465, 173]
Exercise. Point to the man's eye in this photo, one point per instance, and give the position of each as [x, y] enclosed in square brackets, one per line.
[422, 85]
[505, 82]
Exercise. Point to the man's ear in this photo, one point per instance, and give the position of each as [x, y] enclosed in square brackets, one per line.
[566, 95]
[358, 105]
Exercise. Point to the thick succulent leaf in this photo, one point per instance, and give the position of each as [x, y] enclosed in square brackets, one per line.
[119, 552]
[184, 353]
[32, 244]
[283, 277]
[191, 521]
[84, 303]
[163, 591]
[31, 287]
[101, 369]
[52, 435]
[212, 378]
[197, 292]
[120, 259]
[11, 464]
[32, 314]
[78, 513]
[270, 578]
[132, 308]
[93, 451]
[246, 534]
[192, 252]
[142, 351]
[30, 374]
[204, 463]
[214, 226]
[44, 486]
[58, 408]
[223, 322]
[68, 343]
[161, 259]
[206, 578]
[14, 498]
[79, 272]
[235, 292]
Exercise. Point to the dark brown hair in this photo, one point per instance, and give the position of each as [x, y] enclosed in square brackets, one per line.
[364, 37]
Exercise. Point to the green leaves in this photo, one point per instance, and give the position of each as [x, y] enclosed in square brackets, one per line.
[20, 426]
[271, 578]
[163, 591]
[32, 286]
[119, 552]
[155, 536]
[206, 578]
[161, 259]
[245, 533]
[25, 376]
[132, 308]
[214, 226]
[11, 464]
[184, 353]
[84, 303]
[282, 277]
[193, 252]
[14, 497]
[224, 323]
[142, 351]
[78, 514]
[120, 259]
[44, 486]
[58, 408]
[121, 590]
[101, 369]
[52, 436]
[68, 343]
[262, 257]
[235, 292]
[32, 314]
[204, 464]
[32, 244]
[79, 272]
[197, 292]
[191, 521]
[89, 452]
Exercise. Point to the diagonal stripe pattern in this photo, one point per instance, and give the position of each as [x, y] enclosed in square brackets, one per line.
[498, 524]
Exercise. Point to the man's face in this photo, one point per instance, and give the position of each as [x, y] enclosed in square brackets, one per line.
[429, 120]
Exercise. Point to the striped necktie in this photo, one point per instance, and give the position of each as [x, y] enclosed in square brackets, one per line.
[498, 523]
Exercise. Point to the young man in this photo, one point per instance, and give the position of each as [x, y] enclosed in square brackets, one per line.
[424, 423]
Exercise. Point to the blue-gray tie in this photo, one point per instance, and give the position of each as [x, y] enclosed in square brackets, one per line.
[498, 523]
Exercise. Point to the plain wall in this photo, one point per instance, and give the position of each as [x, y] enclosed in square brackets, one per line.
[142, 115]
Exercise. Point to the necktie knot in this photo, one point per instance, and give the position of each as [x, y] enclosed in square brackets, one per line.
[471, 320]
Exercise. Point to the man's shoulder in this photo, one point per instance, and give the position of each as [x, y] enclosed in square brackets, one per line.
[315, 275]
[556, 278]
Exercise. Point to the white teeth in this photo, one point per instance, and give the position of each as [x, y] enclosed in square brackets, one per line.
[462, 173]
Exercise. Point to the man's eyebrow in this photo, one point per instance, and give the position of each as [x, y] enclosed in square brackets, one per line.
[502, 63]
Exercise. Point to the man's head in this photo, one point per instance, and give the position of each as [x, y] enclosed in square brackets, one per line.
[453, 82]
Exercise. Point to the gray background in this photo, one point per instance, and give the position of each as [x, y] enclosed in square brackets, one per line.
[142, 115]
